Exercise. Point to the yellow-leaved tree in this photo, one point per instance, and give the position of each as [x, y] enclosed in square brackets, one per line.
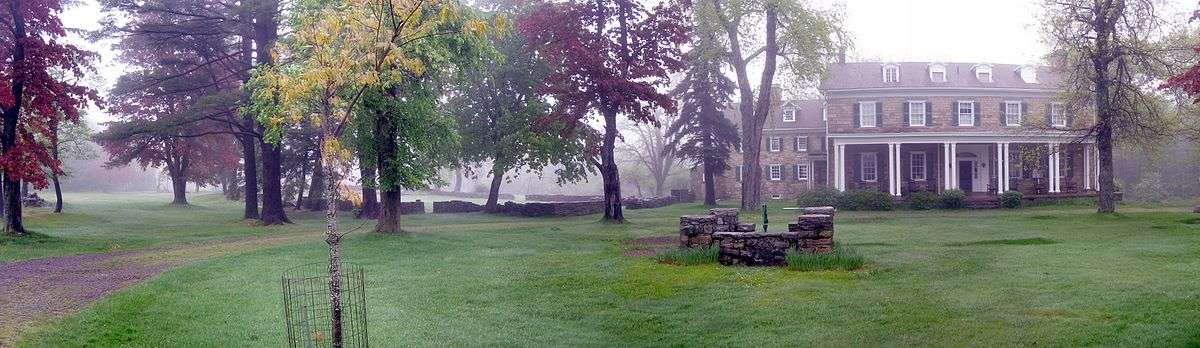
[337, 51]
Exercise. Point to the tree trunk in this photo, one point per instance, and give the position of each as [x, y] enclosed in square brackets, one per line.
[334, 239]
[24, 189]
[710, 187]
[385, 152]
[250, 173]
[370, 205]
[58, 200]
[493, 199]
[13, 224]
[1104, 114]
[272, 209]
[389, 213]
[458, 179]
[301, 181]
[8, 138]
[179, 188]
[316, 192]
[608, 170]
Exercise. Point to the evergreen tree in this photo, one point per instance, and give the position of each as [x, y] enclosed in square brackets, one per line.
[702, 134]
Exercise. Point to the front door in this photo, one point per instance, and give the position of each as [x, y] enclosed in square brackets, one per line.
[966, 169]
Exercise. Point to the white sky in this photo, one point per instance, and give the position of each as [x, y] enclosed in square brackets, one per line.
[993, 31]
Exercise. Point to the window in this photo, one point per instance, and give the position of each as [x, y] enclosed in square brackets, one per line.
[983, 73]
[801, 144]
[1029, 74]
[966, 113]
[916, 166]
[789, 115]
[739, 173]
[776, 196]
[774, 144]
[1058, 116]
[866, 114]
[776, 172]
[870, 167]
[937, 73]
[916, 113]
[802, 171]
[1012, 113]
[891, 74]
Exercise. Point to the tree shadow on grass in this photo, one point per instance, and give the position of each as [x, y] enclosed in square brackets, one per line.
[1021, 241]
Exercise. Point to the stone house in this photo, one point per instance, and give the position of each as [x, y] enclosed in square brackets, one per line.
[927, 126]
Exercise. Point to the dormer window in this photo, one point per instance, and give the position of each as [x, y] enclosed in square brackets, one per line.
[937, 73]
[983, 73]
[891, 73]
[789, 114]
[1029, 74]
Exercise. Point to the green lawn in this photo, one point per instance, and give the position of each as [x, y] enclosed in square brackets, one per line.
[98, 222]
[1054, 275]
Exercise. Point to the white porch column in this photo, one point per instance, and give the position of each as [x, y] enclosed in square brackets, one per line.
[1087, 166]
[840, 170]
[999, 168]
[1053, 158]
[953, 166]
[945, 166]
[1005, 167]
[894, 168]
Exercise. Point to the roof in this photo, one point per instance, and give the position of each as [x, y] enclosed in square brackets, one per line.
[808, 116]
[869, 75]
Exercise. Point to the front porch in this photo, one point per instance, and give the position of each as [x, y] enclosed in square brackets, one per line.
[1045, 169]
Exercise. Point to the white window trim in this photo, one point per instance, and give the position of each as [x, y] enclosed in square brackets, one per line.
[1062, 115]
[985, 69]
[861, 113]
[912, 166]
[862, 164]
[739, 174]
[1008, 116]
[937, 68]
[959, 118]
[774, 144]
[793, 111]
[775, 172]
[801, 140]
[924, 113]
[893, 67]
[802, 168]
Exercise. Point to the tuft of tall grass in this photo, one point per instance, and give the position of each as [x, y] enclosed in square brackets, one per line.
[689, 256]
[842, 258]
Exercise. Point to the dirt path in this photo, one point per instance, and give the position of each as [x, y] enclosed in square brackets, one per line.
[35, 291]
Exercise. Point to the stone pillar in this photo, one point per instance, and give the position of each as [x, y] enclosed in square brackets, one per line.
[695, 231]
[813, 233]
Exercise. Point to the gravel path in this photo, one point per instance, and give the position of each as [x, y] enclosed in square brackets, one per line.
[35, 291]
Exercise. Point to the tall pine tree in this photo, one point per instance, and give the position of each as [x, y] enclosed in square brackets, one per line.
[702, 134]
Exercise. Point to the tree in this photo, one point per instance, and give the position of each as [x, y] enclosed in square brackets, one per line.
[652, 150]
[1107, 53]
[610, 57]
[806, 39]
[70, 141]
[500, 110]
[39, 89]
[338, 53]
[702, 134]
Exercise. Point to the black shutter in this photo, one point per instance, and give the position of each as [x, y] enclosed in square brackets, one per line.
[928, 113]
[930, 164]
[978, 115]
[907, 115]
[878, 114]
[1024, 112]
[1070, 117]
[1003, 114]
[857, 115]
[1049, 116]
[954, 113]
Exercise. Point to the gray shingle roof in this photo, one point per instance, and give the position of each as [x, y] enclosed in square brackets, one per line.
[916, 74]
[809, 115]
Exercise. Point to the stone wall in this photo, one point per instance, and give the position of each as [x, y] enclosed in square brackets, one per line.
[534, 209]
[410, 208]
[456, 207]
[647, 203]
[562, 198]
[811, 233]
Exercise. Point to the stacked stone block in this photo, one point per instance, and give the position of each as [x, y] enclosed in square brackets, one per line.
[811, 233]
[695, 231]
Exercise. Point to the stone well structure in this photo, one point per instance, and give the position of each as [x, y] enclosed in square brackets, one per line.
[739, 244]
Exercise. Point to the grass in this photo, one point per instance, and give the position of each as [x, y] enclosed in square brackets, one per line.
[689, 256]
[473, 280]
[843, 258]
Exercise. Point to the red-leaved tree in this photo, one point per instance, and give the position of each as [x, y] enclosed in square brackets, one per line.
[39, 88]
[608, 57]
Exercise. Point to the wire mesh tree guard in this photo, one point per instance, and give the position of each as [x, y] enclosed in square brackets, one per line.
[306, 308]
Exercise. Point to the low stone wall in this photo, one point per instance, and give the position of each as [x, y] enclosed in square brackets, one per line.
[647, 203]
[411, 208]
[563, 198]
[754, 249]
[696, 231]
[504, 196]
[535, 209]
[814, 233]
[456, 207]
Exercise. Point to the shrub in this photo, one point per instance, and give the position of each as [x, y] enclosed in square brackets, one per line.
[953, 199]
[1011, 199]
[865, 200]
[689, 256]
[842, 258]
[819, 197]
[924, 200]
